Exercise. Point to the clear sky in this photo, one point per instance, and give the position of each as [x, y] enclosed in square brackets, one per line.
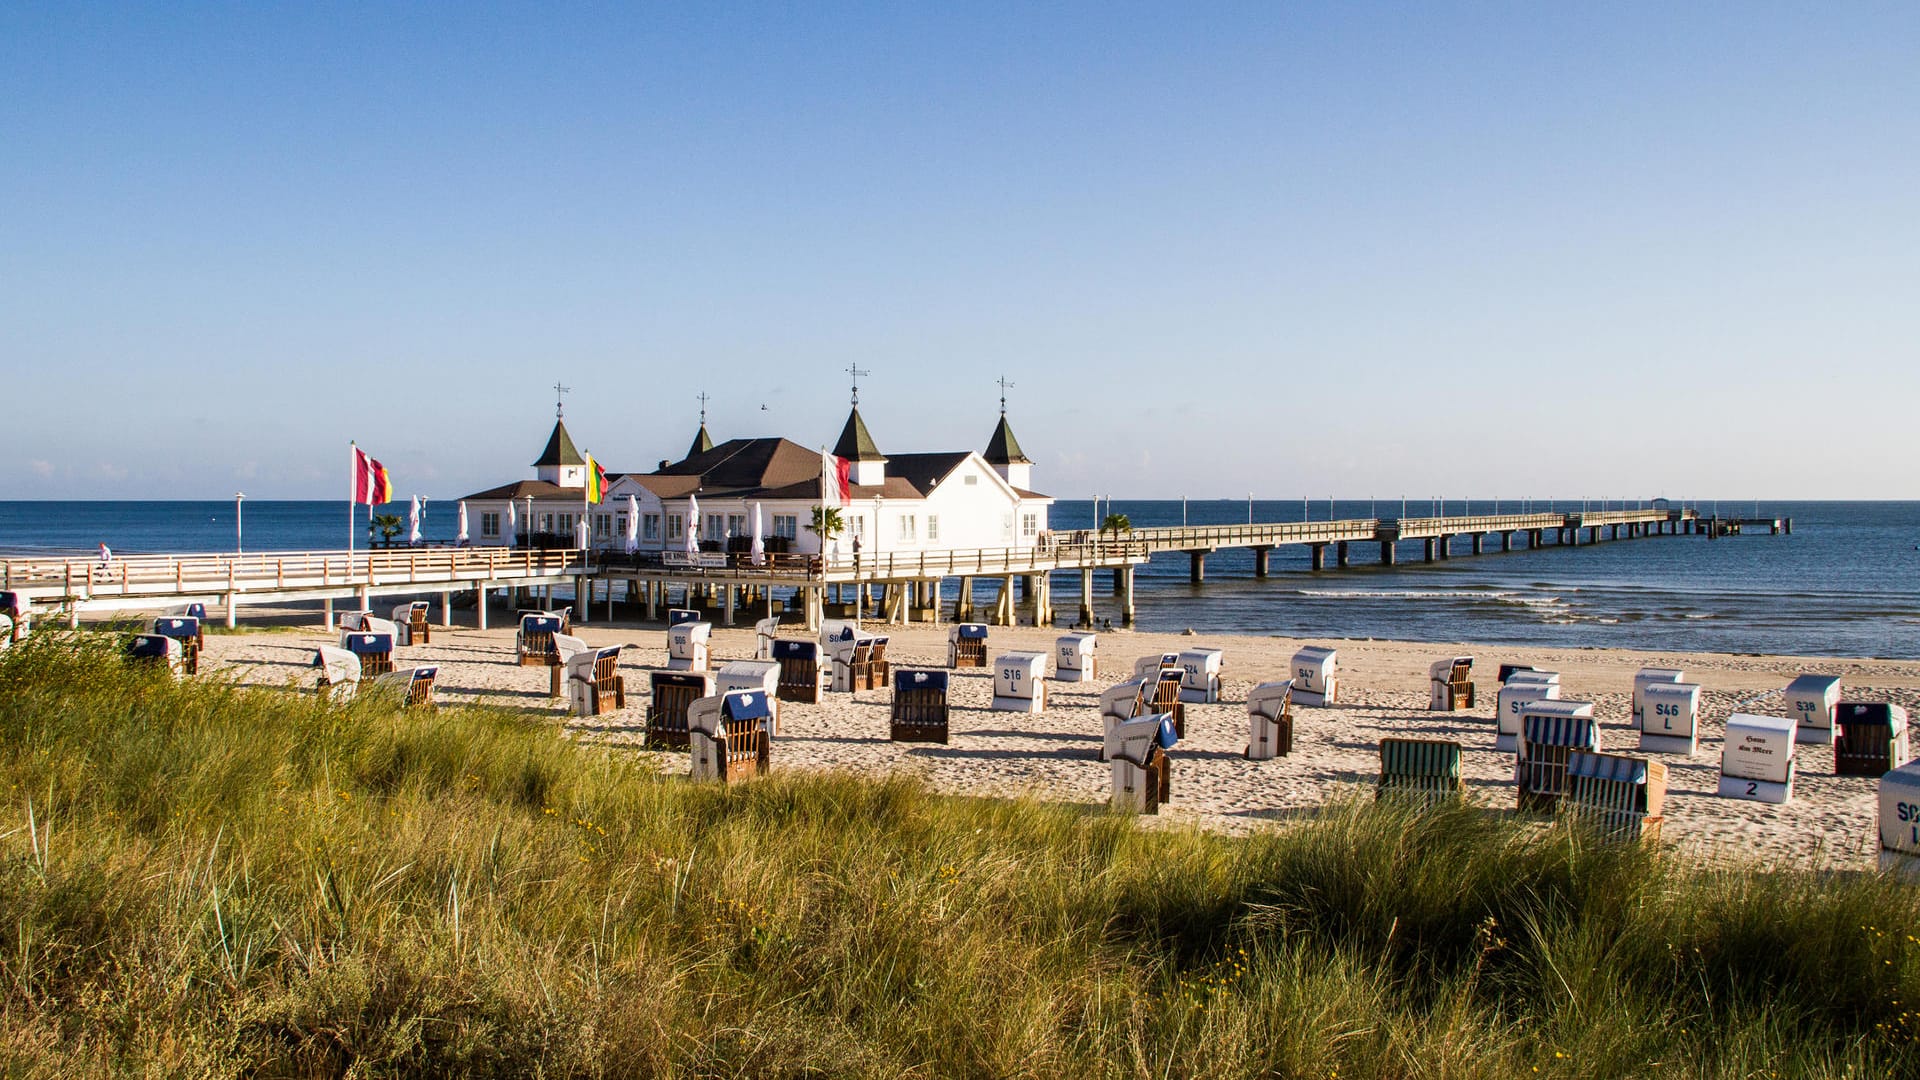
[1475, 250]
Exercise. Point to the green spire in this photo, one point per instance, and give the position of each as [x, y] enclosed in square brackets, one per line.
[856, 443]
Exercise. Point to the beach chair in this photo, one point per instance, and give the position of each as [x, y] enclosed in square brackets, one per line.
[1522, 689]
[157, 650]
[1019, 682]
[879, 668]
[1200, 676]
[1900, 822]
[759, 675]
[353, 620]
[411, 618]
[1620, 798]
[18, 611]
[339, 672]
[1811, 701]
[1165, 698]
[730, 736]
[1756, 760]
[802, 677]
[1507, 671]
[1646, 677]
[671, 693]
[764, 633]
[919, 707]
[838, 630]
[1450, 684]
[1427, 770]
[374, 650]
[192, 610]
[534, 643]
[406, 688]
[1073, 659]
[682, 616]
[687, 645]
[1549, 731]
[6, 632]
[852, 663]
[1270, 720]
[1670, 718]
[1136, 752]
[565, 648]
[1870, 738]
[967, 645]
[184, 629]
[1155, 663]
[1315, 681]
[1122, 702]
[595, 686]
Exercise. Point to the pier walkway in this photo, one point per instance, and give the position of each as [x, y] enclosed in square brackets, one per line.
[902, 585]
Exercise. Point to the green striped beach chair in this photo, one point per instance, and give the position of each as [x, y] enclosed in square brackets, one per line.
[1427, 769]
[1620, 797]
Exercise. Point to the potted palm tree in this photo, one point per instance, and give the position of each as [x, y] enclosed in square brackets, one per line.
[828, 524]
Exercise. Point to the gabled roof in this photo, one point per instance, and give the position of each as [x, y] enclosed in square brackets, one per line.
[702, 442]
[738, 467]
[524, 489]
[856, 443]
[560, 449]
[1003, 448]
[924, 472]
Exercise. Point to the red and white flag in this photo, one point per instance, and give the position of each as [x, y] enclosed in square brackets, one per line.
[836, 480]
[371, 485]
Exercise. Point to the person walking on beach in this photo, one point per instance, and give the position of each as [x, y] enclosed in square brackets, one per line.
[106, 555]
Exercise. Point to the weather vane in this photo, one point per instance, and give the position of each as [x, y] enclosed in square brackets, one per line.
[703, 408]
[559, 407]
[1004, 387]
[856, 372]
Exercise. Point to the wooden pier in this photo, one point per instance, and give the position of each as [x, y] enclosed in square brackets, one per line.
[903, 585]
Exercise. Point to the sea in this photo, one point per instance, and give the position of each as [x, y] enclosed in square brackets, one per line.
[1845, 583]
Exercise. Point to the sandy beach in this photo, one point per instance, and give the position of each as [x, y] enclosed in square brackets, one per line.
[1052, 755]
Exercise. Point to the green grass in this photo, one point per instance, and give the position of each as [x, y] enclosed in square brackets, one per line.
[199, 879]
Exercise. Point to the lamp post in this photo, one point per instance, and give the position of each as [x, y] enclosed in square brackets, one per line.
[239, 547]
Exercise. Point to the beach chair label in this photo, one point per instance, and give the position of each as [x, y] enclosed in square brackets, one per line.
[1756, 761]
[1811, 701]
[1073, 658]
[1670, 718]
[1200, 675]
[1315, 681]
[1017, 682]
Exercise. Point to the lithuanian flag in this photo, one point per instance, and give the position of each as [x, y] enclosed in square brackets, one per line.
[596, 481]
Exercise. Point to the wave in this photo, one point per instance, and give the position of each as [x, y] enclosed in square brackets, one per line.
[1468, 595]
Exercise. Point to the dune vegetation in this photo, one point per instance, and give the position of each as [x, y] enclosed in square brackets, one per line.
[202, 879]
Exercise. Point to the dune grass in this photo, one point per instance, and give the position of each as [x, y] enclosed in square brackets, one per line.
[205, 880]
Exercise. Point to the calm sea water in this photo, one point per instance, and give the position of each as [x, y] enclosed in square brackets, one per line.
[1846, 583]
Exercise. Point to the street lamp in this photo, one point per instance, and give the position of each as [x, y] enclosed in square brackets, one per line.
[238, 547]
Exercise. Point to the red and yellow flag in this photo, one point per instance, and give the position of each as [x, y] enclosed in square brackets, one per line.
[596, 481]
[371, 485]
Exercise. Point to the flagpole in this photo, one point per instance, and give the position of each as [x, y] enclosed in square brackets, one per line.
[353, 491]
[586, 501]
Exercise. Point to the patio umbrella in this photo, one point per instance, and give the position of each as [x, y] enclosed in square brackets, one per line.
[413, 522]
[462, 538]
[693, 524]
[513, 524]
[633, 525]
[758, 552]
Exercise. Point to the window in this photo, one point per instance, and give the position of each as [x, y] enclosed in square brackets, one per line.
[676, 526]
[564, 526]
[546, 523]
[971, 480]
[1029, 525]
[736, 524]
[933, 526]
[787, 525]
[858, 526]
[714, 522]
[650, 526]
[489, 524]
[1006, 526]
[603, 526]
[909, 527]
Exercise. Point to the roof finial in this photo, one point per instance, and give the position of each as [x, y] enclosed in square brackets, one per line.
[559, 407]
[1004, 387]
[856, 372]
[703, 408]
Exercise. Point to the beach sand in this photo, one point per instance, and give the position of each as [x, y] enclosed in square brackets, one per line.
[1830, 821]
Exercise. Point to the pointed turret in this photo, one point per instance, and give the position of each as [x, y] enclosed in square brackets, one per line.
[857, 446]
[1003, 450]
[701, 442]
[560, 463]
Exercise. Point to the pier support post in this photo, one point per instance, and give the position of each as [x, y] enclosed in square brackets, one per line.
[1431, 545]
[1126, 595]
[730, 591]
[446, 609]
[1118, 588]
[1479, 543]
[1086, 600]
[1593, 535]
[1197, 568]
[1446, 548]
[1317, 557]
[1260, 560]
[1387, 554]
[326, 612]
[366, 601]
[1340, 553]
[963, 603]
[232, 604]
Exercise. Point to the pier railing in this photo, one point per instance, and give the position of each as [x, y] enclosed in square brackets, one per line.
[174, 575]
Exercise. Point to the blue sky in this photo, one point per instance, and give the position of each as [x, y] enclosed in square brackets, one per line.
[1486, 249]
